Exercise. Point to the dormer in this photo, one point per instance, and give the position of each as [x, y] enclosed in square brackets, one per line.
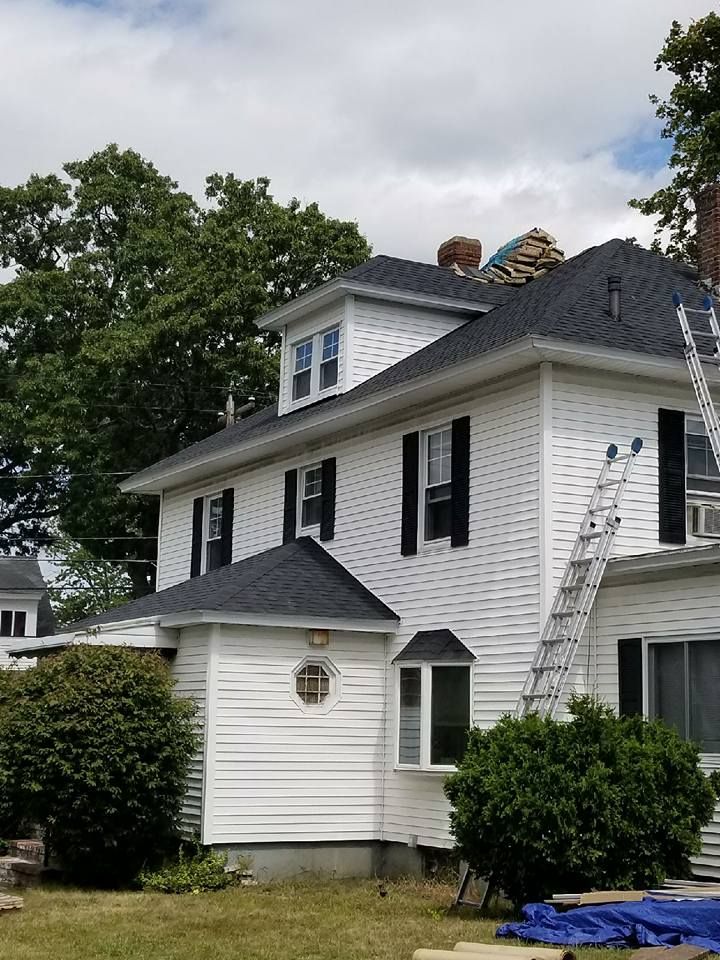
[347, 331]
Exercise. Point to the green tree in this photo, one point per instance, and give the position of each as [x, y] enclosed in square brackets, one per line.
[94, 749]
[130, 311]
[84, 585]
[691, 119]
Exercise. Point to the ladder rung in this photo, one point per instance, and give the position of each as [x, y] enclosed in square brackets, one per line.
[608, 483]
[703, 333]
[706, 358]
[551, 641]
[562, 614]
[596, 534]
[581, 563]
[535, 696]
[608, 506]
[572, 587]
[549, 669]
[705, 313]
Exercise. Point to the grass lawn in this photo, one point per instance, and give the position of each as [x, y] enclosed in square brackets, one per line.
[309, 920]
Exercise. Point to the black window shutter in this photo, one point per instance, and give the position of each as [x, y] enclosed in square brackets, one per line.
[197, 536]
[630, 677]
[460, 482]
[671, 477]
[226, 541]
[327, 501]
[290, 508]
[410, 482]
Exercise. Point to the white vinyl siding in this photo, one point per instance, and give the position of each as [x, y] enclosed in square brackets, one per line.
[679, 607]
[487, 592]
[189, 669]
[284, 774]
[18, 602]
[385, 333]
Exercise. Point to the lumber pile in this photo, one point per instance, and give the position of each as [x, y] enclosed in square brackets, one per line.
[8, 902]
[495, 951]
[524, 258]
[670, 890]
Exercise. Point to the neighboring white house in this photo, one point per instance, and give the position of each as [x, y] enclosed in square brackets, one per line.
[24, 605]
[349, 579]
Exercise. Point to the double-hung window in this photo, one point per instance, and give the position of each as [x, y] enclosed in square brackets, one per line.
[702, 482]
[310, 496]
[437, 473]
[329, 359]
[12, 623]
[433, 714]
[213, 532]
[315, 365]
[683, 680]
[302, 372]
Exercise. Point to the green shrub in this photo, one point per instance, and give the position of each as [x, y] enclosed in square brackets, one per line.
[94, 749]
[198, 872]
[599, 802]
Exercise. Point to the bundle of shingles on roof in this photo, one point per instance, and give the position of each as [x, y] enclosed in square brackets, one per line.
[524, 258]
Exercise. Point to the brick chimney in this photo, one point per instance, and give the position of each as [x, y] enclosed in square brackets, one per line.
[707, 207]
[464, 251]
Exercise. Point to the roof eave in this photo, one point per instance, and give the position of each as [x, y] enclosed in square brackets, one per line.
[663, 563]
[336, 289]
[496, 363]
[297, 621]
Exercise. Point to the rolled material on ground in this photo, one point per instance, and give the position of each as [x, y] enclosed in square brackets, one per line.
[492, 951]
[496, 951]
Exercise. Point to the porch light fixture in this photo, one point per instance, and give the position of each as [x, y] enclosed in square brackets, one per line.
[318, 638]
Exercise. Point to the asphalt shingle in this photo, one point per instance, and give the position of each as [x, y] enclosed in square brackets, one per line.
[568, 304]
[298, 579]
[440, 645]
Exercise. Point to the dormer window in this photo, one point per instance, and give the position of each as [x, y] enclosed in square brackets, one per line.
[315, 365]
[302, 378]
[329, 362]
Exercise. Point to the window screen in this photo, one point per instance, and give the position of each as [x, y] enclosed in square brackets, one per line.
[214, 534]
[329, 362]
[311, 496]
[438, 504]
[684, 679]
[19, 624]
[449, 714]
[6, 623]
[303, 370]
[409, 737]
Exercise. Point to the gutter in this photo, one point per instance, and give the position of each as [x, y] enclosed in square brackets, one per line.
[525, 351]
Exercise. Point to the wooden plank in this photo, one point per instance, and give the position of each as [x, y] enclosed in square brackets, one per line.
[684, 951]
[612, 896]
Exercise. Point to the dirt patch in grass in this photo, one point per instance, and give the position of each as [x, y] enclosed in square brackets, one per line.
[308, 920]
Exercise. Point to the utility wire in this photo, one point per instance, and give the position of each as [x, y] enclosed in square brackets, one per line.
[64, 476]
[19, 536]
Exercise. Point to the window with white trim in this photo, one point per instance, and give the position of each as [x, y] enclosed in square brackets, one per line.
[329, 359]
[702, 481]
[302, 371]
[315, 365]
[13, 623]
[433, 714]
[683, 680]
[435, 482]
[315, 685]
[310, 496]
[213, 532]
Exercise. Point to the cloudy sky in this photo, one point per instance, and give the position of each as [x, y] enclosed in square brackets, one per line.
[417, 119]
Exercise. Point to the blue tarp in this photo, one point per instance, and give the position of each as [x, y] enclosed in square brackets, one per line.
[649, 923]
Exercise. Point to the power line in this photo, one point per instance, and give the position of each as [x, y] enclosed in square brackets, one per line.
[65, 476]
[19, 536]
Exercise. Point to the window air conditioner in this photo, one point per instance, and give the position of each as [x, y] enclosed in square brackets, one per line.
[705, 520]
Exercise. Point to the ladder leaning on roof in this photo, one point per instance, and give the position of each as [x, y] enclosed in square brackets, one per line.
[695, 361]
[566, 622]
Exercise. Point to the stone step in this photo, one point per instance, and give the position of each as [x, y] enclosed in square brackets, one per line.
[33, 850]
[20, 873]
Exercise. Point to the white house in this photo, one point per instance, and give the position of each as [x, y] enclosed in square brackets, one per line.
[24, 605]
[349, 579]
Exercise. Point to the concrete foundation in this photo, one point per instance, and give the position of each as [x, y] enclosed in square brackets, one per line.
[372, 858]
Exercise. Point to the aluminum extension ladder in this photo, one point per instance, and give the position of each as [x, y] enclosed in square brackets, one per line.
[695, 361]
[568, 617]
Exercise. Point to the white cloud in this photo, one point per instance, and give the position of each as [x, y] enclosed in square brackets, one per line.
[418, 119]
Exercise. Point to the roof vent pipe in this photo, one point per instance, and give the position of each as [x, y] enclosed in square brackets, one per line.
[614, 284]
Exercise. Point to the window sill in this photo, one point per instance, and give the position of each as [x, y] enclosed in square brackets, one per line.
[436, 771]
[313, 531]
[428, 547]
[313, 398]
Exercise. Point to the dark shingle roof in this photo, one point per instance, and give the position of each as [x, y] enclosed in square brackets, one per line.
[20, 573]
[298, 579]
[436, 645]
[414, 277]
[569, 304]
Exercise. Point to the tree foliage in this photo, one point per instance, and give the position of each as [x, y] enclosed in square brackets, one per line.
[94, 748]
[599, 802]
[691, 119]
[129, 312]
[84, 585]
